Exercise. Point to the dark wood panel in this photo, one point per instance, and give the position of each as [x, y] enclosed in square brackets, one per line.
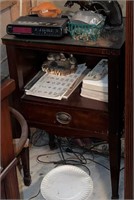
[24, 55]
[129, 176]
[80, 119]
[10, 189]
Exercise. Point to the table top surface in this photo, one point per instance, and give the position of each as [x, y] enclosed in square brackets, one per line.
[111, 39]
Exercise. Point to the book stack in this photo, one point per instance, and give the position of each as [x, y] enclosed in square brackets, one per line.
[96, 88]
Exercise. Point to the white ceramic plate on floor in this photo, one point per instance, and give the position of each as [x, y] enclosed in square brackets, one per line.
[67, 182]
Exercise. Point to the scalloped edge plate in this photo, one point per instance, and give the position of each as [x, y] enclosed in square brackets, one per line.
[66, 182]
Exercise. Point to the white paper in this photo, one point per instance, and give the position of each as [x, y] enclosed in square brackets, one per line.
[54, 86]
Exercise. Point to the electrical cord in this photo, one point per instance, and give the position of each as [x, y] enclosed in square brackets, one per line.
[78, 160]
[73, 162]
[66, 146]
[79, 157]
[98, 163]
[34, 195]
[42, 155]
[38, 138]
[62, 155]
[122, 168]
[90, 151]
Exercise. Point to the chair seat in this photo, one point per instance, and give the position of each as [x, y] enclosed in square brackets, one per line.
[21, 146]
[16, 142]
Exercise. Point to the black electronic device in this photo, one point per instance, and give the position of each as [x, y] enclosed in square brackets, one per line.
[110, 9]
[38, 26]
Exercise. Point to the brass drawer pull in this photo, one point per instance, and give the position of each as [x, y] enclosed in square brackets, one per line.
[63, 117]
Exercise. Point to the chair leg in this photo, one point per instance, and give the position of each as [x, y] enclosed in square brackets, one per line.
[24, 156]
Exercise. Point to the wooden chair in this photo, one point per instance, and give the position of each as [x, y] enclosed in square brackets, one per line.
[21, 146]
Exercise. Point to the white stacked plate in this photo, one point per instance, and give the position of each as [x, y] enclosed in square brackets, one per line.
[67, 182]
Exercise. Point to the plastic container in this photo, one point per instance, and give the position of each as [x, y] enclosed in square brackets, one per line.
[82, 31]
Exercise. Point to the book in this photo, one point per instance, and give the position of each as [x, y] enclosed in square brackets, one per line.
[34, 80]
[99, 71]
[54, 86]
[100, 85]
[93, 94]
[75, 85]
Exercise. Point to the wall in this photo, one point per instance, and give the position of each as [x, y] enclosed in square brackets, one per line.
[60, 4]
[6, 17]
[9, 11]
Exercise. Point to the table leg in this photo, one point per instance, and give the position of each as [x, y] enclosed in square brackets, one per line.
[115, 157]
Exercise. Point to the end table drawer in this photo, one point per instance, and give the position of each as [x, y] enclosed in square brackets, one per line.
[83, 119]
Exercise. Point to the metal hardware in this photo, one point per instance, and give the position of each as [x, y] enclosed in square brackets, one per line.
[63, 117]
